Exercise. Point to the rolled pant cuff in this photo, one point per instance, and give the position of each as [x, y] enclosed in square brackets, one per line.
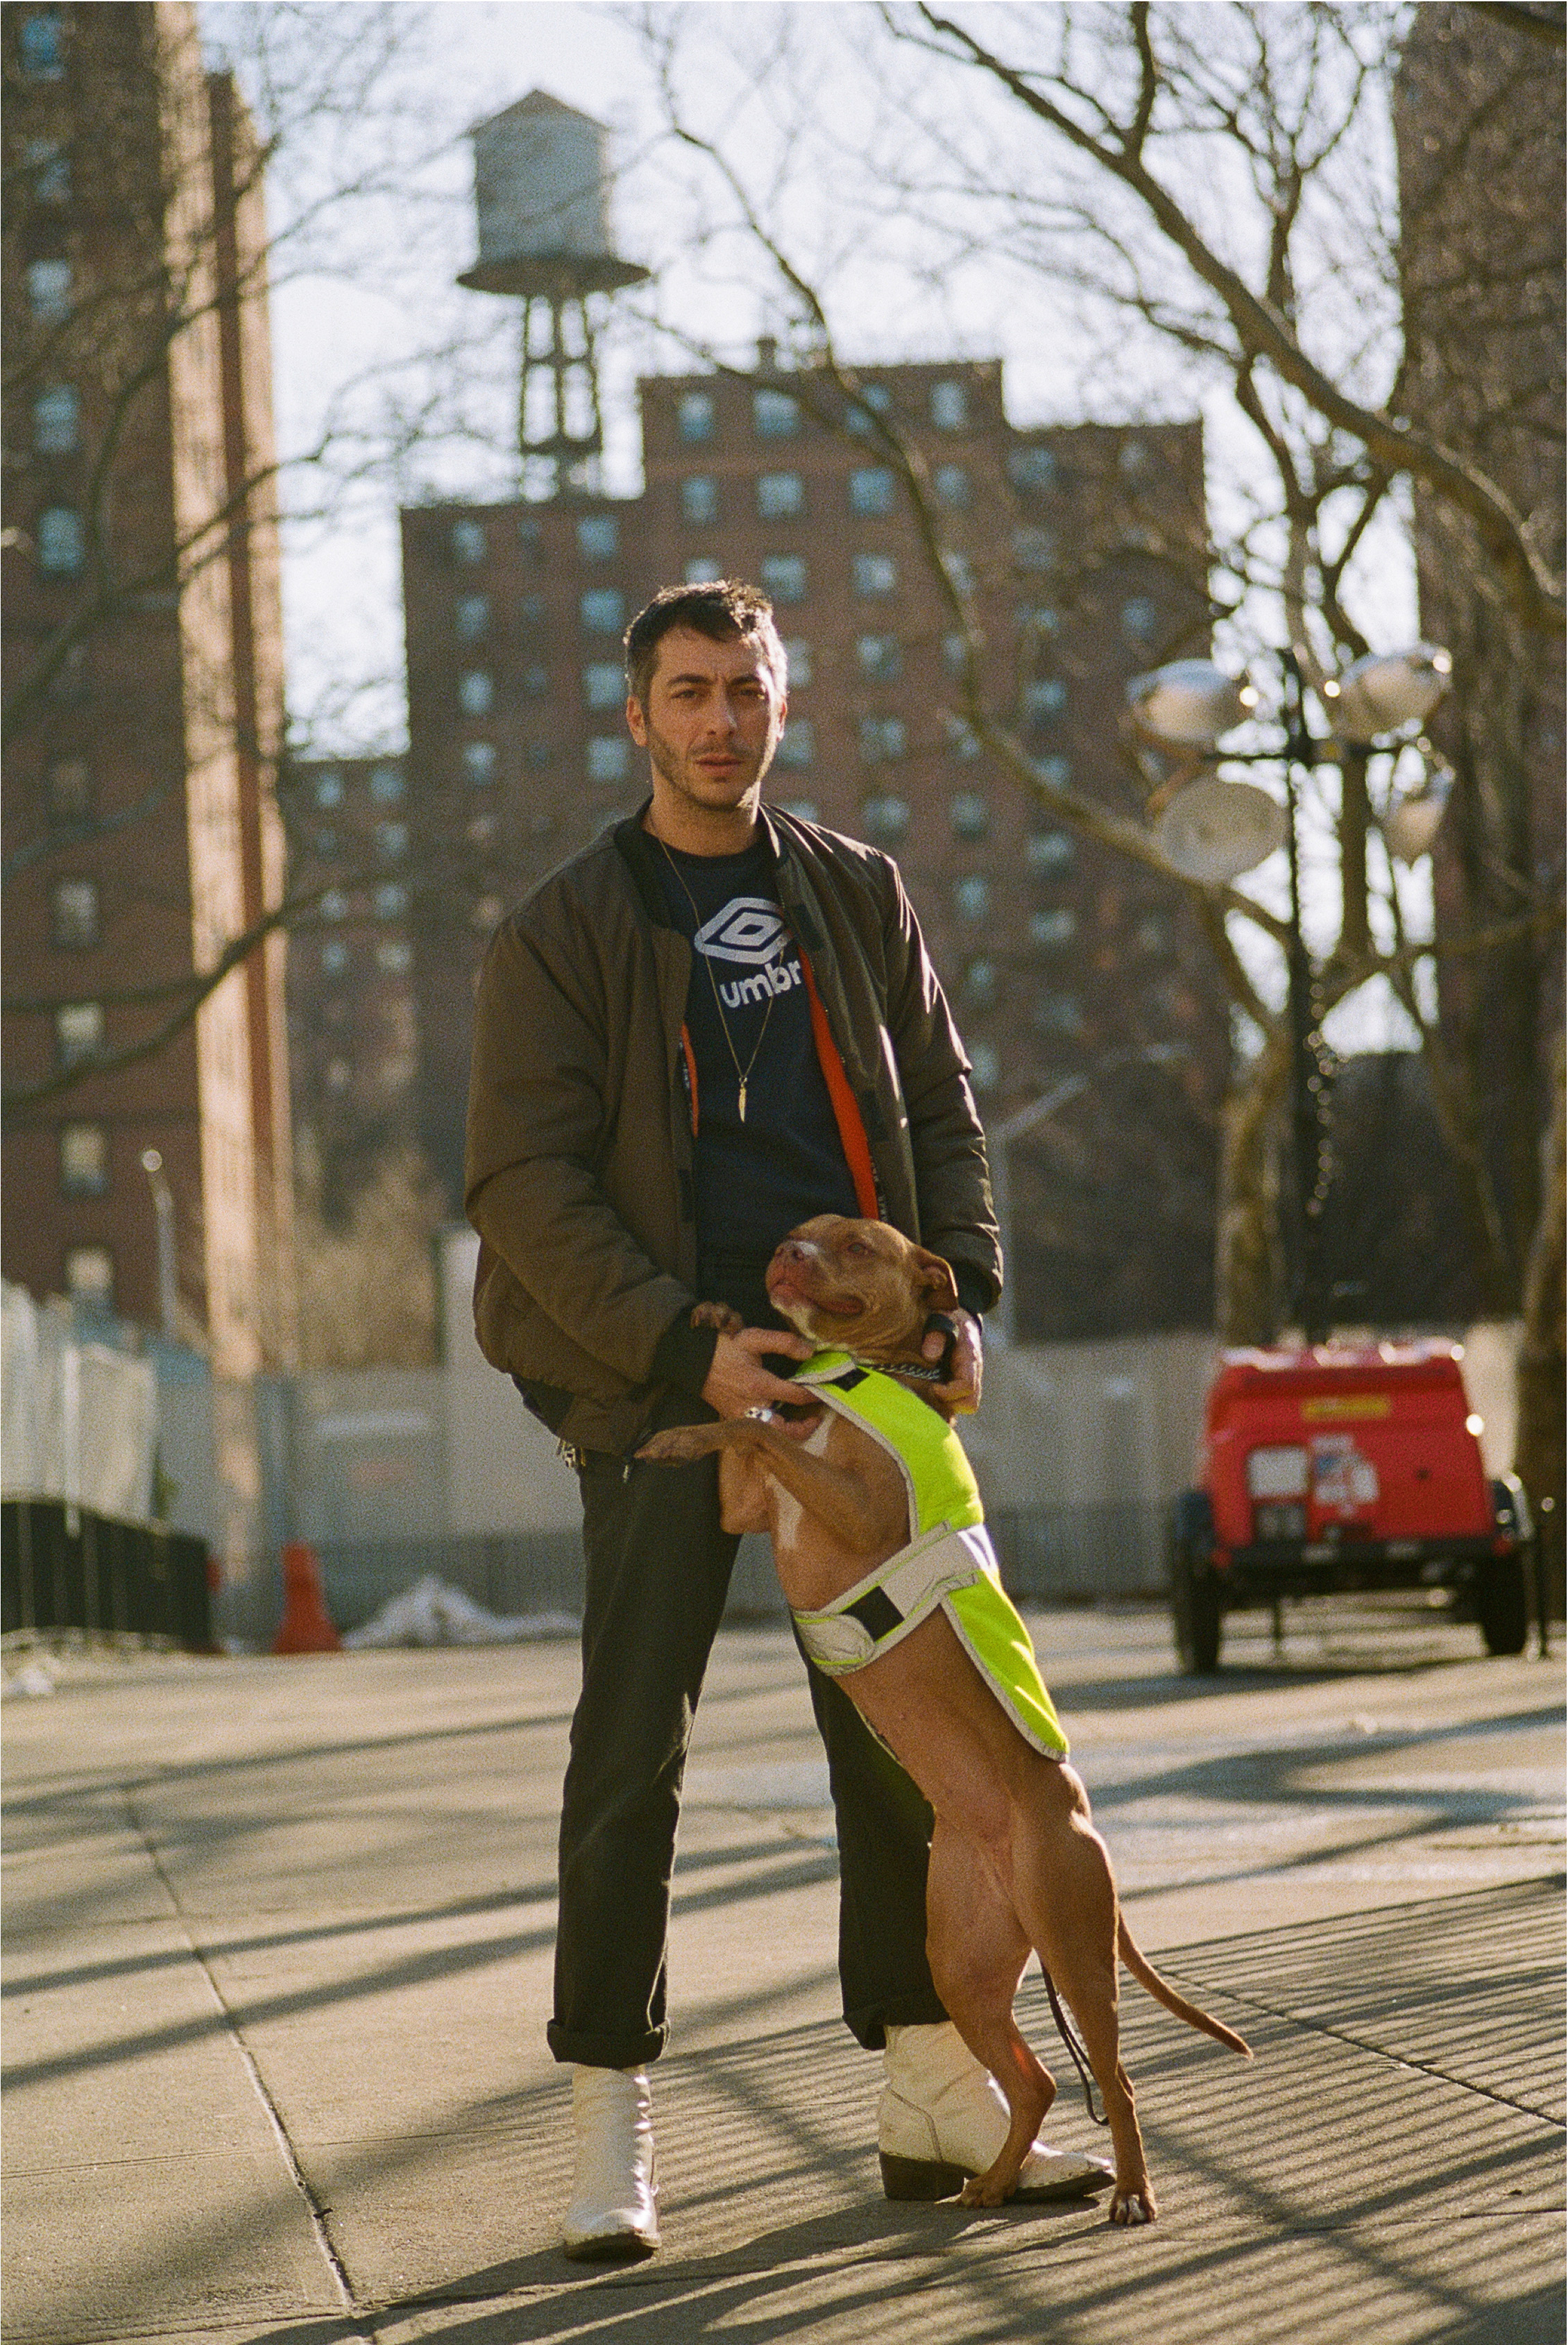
[868, 2021]
[605, 2051]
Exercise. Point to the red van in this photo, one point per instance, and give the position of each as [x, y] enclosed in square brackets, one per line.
[1344, 1468]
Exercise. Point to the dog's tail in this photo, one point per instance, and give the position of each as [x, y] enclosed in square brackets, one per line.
[1148, 1978]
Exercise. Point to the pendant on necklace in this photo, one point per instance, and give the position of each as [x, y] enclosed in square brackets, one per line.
[743, 1098]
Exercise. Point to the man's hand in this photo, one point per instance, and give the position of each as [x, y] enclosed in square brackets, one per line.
[962, 1390]
[737, 1380]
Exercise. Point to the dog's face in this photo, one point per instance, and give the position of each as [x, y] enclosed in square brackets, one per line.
[860, 1287]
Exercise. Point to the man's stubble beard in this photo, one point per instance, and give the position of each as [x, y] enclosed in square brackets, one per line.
[667, 764]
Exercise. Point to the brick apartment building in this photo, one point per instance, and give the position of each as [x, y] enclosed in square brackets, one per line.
[1084, 550]
[143, 679]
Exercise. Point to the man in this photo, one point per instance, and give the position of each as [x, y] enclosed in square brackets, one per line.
[711, 1024]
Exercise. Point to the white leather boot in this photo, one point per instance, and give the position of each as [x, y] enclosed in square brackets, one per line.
[613, 2218]
[944, 2119]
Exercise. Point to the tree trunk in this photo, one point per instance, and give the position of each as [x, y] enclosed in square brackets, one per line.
[1542, 1372]
[1247, 1279]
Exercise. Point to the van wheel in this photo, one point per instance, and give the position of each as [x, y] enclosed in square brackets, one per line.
[1196, 1613]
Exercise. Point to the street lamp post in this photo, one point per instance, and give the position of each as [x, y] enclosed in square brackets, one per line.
[163, 1209]
[1309, 1074]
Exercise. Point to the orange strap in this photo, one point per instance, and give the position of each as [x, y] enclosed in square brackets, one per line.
[846, 1107]
[691, 1076]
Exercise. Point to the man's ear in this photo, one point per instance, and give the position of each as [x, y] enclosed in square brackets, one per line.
[636, 723]
[937, 1282]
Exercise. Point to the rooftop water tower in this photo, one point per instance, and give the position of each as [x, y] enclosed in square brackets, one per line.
[542, 198]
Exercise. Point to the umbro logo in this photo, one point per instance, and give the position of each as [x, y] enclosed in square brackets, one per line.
[749, 930]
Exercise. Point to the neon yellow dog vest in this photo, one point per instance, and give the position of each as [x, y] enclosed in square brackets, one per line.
[948, 1560]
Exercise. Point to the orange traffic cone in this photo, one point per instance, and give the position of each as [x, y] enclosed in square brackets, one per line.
[306, 1626]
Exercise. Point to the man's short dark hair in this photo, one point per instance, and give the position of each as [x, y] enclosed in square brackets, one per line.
[726, 610]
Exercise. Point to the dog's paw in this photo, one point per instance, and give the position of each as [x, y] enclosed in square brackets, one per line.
[719, 1315]
[678, 1444]
[1130, 2209]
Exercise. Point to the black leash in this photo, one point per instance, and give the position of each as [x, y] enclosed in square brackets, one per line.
[1069, 2036]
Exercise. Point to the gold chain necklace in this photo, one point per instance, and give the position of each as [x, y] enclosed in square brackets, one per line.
[743, 1075]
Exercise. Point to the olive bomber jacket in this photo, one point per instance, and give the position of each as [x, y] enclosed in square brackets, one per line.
[580, 1153]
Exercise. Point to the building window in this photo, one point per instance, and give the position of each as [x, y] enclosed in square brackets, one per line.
[479, 762]
[598, 537]
[797, 661]
[391, 841]
[536, 756]
[62, 546]
[83, 1160]
[881, 658]
[874, 397]
[603, 684]
[694, 417]
[471, 616]
[972, 896]
[609, 757]
[73, 912]
[1059, 1013]
[802, 810]
[702, 569]
[41, 44]
[1034, 549]
[1152, 934]
[1044, 698]
[962, 738]
[949, 406]
[603, 610]
[395, 955]
[960, 571]
[329, 790]
[784, 577]
[486, 912]
[881, 739]
[1038, 619]
[1133, 458]
[985, 1066]
[90, 1277]
[389, 901]
[481, 829]
[797, 744]
[531, 612]
[873, 491]
[326, 843]
[775, 414]
[874, 574]
[67, 790]
[1057, 771]
[1033, 468]
[48, 166]
[1139, 618]
[968, 814]
[334, 905]
[78, 1031]
[535, 680]
[49, 290]
[387, 784]
[1053, 929]
[468, 541]
[699, 498]
[885, 821]
[334, 957]
[980, 980]
[781, 496]
[56, 420]
[954, 654]
[952, 483]
[476, 693]
[1049, 853]
[529, 536]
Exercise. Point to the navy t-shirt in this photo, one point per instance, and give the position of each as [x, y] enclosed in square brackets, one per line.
[756, 1177]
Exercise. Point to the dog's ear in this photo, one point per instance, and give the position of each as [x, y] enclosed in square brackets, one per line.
[938, 1283]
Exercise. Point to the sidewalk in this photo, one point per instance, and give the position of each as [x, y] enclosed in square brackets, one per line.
[279, 1948]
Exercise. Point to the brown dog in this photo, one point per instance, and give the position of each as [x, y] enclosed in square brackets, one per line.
[1016, 1862]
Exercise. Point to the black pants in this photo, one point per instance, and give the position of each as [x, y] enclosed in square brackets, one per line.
[658, 1571]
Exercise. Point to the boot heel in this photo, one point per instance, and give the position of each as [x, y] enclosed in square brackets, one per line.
[923, 2179]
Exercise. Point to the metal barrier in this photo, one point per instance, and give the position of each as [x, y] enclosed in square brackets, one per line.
[64, 1566]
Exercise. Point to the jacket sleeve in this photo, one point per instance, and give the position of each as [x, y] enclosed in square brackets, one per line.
[952, 1179]
[537, 1128]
